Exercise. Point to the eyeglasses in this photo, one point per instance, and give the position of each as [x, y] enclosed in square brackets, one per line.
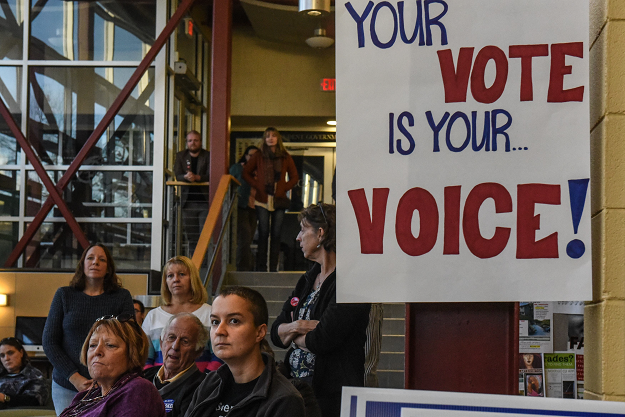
[122, 318]
[323, 214]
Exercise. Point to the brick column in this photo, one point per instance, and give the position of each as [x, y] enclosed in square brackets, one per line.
[605, 315]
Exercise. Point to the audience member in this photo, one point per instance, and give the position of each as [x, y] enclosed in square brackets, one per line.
[115, 351]
[246, 213]
[248, 384]
[139, 311]
[193, 165]
[326, 340]
[266, 171]
[182, 292]
[21, 384]
[182, 341]
[94, 291]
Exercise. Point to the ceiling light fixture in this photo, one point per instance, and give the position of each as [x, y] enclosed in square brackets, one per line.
[314, 8]
[319, 40]
[331, 122]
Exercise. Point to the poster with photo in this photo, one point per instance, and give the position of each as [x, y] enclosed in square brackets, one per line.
[559, 370]
[529, 363]
[534, 386]
[535, 333]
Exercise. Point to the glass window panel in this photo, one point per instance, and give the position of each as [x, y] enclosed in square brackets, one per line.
[67, 103]
[97, 194]
[11, 29]
[9, 193]
[106, 30]
[9, 232]
[55, 246]
[10, 81]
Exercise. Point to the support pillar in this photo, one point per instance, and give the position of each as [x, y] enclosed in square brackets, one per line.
[219, 123]
[604, 316]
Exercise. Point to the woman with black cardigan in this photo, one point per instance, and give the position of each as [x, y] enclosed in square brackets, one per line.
[326, 339]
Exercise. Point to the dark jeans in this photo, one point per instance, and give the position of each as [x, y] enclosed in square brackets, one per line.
[246, 227]
[264, 216]
[193, 217]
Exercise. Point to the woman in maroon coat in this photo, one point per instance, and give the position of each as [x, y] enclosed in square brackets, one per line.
[267, 172]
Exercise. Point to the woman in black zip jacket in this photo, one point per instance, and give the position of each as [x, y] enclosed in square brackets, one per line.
[326, 340]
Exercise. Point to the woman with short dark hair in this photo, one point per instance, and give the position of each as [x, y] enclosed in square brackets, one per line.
[114, 352]
[94, 291]
[21, 384]
[325, 340]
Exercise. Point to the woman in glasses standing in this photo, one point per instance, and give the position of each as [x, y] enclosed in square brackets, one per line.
[326, 340]
[94, 291]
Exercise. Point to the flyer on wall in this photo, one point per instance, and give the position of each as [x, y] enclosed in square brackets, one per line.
[535, 320]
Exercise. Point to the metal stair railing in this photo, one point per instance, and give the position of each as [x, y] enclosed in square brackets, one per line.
[221, 207]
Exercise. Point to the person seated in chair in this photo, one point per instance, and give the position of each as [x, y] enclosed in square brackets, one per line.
[182, 341]
[248, 384]
[21, 384]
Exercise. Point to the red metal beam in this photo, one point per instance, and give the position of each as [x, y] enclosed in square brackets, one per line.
[55, 194]
[183, 8]
[219, 124]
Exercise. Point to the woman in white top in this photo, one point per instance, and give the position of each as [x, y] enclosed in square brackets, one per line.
[182, 292]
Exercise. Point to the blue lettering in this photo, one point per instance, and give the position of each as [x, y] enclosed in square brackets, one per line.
[435, 21]
[436, 128]
[501, 130]
[360, 20]
[485, 134]
[458, 115]
[422, 27]
[402, 129]
[418, 27]
[374, 17]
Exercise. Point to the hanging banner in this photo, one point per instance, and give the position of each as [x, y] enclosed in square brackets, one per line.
[462, 150]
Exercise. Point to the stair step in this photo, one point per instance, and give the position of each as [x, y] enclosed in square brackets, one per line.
[249, 279]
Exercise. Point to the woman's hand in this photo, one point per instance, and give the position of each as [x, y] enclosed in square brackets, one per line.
[80, 382]
[3, 397]
[289, 331]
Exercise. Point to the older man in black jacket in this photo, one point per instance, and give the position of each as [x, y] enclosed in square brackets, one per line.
[182, 341]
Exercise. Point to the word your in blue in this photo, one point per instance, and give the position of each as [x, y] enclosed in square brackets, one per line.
[384, 14]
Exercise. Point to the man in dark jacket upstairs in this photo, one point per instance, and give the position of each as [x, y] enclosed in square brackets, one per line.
[182, 341]
[248, 383]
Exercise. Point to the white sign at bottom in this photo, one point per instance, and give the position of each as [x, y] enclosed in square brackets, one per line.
[376, 402]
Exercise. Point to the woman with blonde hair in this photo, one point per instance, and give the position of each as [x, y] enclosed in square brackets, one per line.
[182, 292]
[114, 352]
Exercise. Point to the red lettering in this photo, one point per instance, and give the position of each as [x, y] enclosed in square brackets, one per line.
[477, 244]
[455, 81]
[451, 243]
[528, 195]
[370, 228]
[421, 200]
[557, 93]
[478, 88]
[526, 53]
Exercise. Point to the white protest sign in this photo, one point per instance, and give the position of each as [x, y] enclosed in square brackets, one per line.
[462, 150]
[375, 402]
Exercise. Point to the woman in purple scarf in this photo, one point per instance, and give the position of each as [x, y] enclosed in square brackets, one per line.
[114, 352]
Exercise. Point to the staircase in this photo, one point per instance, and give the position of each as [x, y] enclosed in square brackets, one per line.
[276, 287]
